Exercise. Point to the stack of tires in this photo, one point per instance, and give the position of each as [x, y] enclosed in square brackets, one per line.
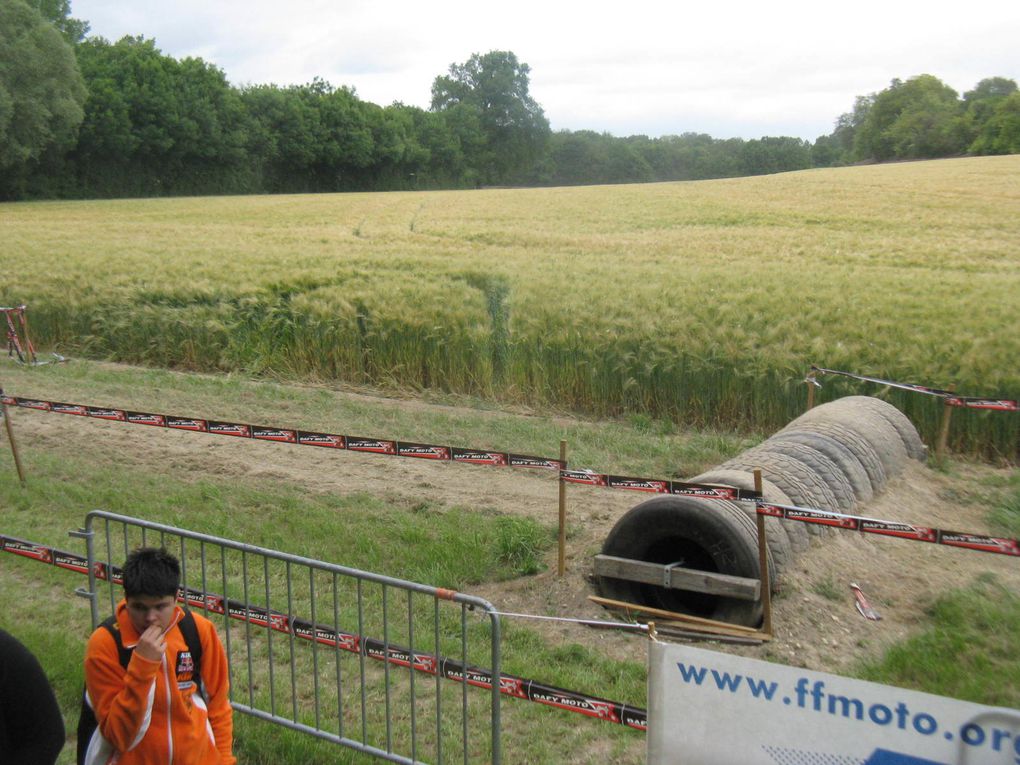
[834, 457]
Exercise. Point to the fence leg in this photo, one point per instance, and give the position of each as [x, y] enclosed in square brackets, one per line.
[810, 395]
[14, 445]
[763, 563]
[562, 566]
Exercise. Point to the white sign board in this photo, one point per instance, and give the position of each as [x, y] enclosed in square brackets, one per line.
[709, 708]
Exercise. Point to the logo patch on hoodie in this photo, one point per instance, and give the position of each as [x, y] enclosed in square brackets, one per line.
[184, 670]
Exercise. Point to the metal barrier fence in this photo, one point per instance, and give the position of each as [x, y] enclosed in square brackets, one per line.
[349, 656]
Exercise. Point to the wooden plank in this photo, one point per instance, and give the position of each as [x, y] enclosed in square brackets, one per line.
[677, 578]
[680, 630]
[623, 605]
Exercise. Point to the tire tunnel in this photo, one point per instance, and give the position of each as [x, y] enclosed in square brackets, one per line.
[836, 457]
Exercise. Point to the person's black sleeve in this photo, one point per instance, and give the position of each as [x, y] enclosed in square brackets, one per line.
[31, 727]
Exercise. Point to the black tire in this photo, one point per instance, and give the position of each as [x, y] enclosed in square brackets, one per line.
[801, 484]
[840, 454]
[872, 427]
[745, 514]
[908, 433]
[857, 444]
[796, 533]
[823, 467]
[709, 535]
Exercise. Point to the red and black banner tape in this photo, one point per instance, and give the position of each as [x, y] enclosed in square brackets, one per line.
[290, 436]
[657, 486]
[450, 669]
[388, 447]
[979, 542]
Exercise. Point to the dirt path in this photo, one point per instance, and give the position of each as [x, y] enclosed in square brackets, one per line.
[815, 621]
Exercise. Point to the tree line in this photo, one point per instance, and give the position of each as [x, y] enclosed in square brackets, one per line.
[85, 117]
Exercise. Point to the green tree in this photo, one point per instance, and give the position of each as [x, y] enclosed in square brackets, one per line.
[58, 13]
[1000, 134]
[282, 136]
[987, 95]
[155, 125]
[917, 119]
[41, 95]
[981, 104]
[491, 91]
[775, 155]
[845, 132]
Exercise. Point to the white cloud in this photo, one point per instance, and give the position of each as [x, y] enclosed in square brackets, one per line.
[648, 66]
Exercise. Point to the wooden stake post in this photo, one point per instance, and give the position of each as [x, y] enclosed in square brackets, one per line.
[941, 447]
[562, 565]
[14, 445]
[763, 563]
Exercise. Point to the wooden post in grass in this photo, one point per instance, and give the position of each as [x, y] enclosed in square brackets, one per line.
[763, 562]
[947, 413]
[810, 394]
[562, 564]
[14, 446]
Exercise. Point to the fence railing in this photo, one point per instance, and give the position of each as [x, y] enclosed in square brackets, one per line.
[324, 649]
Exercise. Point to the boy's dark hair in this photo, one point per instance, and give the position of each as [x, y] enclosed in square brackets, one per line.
[151, 572]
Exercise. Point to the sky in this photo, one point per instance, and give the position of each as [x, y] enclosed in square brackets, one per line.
[652, 67]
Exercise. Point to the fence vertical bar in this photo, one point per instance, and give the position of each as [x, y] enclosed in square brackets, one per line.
[361, 662]
[90, 552]
[224, 592]
[184, 566]
[109, 565]
[205, 578]
[495, 649]
[293, 669]
[464, 678]
[315, 647]
[411, 671]
[386, 666]
[269, 639]
[439, 680]
[336, 657]
[247, 626]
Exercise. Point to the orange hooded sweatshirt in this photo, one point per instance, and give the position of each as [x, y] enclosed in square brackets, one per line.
[151, 714]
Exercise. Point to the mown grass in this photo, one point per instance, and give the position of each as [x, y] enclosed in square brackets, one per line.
[696, 303]
[968, 652]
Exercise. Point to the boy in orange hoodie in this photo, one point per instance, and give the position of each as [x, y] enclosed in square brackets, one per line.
[154, 712]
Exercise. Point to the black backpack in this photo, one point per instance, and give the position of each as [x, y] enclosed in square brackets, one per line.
[87, 722]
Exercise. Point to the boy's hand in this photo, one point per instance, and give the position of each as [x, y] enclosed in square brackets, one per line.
[152, 643]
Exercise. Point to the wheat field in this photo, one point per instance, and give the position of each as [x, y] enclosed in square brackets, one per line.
[702, 302]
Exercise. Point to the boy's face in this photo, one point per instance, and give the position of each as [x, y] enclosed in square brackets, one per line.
[146, 610]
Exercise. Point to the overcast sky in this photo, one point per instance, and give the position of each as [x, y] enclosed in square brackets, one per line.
[729, 69]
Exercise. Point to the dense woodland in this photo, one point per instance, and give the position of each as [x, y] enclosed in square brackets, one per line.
[82, 117]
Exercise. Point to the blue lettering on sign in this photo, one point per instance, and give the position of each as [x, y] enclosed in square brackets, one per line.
[885, 757]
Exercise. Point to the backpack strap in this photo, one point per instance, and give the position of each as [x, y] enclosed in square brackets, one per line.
[123, 654]
[190, 631]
